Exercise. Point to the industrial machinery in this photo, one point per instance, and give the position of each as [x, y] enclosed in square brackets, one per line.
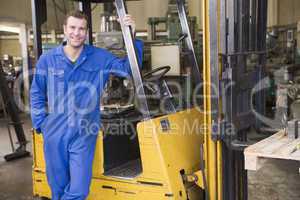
[8, 67]
[169, 48]
[172, 23]
[283, 73]
[10, 107]
[9, 71]
[184, 153]
[173, 38]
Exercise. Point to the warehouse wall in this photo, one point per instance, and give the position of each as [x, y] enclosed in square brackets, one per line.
[195, 9]
[158, 8]
[280, 12]
[272, 13]
[10, 46]
[20, 11]
[283, 12]
[15, 11]
[142, 10]
[289, 11]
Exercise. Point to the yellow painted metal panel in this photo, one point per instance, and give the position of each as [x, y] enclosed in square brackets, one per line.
[106, 189]
[212, 149]
[38, 153]
[179, 146]
[40, 184]
[98, 159]
[102, 189]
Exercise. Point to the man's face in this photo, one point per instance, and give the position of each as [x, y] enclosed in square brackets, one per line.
[75, 31]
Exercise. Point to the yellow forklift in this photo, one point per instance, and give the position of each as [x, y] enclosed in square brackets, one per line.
[195, 153]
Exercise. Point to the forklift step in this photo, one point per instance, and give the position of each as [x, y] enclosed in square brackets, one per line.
[128, 170]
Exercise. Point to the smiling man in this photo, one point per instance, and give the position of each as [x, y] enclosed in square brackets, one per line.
[65, 105]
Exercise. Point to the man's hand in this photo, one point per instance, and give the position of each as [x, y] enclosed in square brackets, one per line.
[128, 21]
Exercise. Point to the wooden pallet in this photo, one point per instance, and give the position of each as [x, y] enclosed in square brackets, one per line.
[277, 146]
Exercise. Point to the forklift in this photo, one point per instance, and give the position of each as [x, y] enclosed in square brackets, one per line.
[192, 153]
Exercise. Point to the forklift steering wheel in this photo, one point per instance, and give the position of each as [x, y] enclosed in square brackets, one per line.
[156, 74]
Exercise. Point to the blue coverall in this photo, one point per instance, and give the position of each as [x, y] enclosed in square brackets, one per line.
[65, 107]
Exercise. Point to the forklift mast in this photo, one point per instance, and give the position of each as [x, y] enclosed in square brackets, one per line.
[234, 34]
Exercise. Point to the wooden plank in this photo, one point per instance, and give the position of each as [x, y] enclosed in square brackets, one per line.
[277, 146]
[253, 162]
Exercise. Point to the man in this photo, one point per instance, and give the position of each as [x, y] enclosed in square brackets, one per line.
[65, 105]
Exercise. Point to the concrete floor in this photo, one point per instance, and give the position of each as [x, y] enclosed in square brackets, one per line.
[277, 180]
[15, 176]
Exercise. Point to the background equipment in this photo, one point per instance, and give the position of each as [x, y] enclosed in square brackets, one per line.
[11, 109]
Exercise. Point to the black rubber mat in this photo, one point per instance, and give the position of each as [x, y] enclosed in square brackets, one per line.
[128, 170]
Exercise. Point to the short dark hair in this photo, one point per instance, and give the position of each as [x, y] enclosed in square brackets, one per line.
[77, 14]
